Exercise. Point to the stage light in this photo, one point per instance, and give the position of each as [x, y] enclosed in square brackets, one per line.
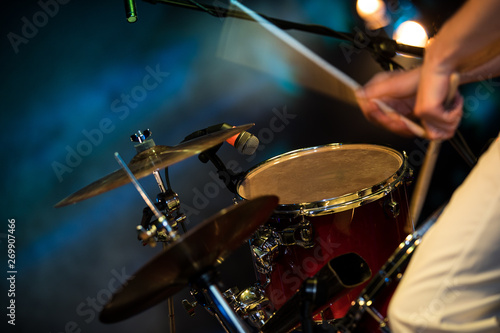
[373, 12]
[411, 33]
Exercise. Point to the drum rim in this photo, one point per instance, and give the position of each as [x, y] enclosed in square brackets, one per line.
[343, 202]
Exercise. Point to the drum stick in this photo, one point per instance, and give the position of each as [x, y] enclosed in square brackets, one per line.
[412, 126]
[425, 175]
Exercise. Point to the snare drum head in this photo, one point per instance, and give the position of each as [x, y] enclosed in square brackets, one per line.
[327, 178]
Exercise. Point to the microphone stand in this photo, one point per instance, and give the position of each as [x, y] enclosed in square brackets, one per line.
[229, 178]
[382, 46]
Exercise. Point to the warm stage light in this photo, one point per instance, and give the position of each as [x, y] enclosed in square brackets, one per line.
[373, 12]
[411, 33]
[369, 7]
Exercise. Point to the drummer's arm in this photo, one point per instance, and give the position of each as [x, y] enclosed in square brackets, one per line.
[468, 43]
[471, 38]
[482, 72]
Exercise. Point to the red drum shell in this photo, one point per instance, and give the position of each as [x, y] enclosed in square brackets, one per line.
[345, 192]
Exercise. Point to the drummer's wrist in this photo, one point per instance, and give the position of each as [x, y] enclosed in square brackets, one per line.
[440, 57]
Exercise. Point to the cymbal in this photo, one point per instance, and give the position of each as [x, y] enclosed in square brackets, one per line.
[150, 160]
[193, 254]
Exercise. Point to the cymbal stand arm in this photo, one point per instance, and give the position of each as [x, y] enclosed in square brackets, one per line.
[161, 218]
[159, 181]
[145, 142]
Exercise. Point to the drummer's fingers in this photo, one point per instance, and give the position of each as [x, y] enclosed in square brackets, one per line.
[390, 121]
[442, 124]
[366, 106]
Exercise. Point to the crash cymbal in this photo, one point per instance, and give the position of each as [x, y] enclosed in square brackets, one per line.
[193, 254]
[150, 160]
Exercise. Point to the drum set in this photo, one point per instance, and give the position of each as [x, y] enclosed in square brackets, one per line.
[325, 227]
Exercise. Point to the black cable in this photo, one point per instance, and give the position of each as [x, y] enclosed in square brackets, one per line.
[167, 179]
[383, 48]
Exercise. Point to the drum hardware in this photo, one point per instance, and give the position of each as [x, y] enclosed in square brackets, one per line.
[151, 232]
[167, 202]
[250, 304]
[391, 272]
[230, 294]
[218, 305]
[143, 137]
[265, 244]
[410, 173]
[157, 231]
[201, 298]
[301, 234]
[189, 307]
[144, 144]
[333, 280]
[162, 222]
[391, 207]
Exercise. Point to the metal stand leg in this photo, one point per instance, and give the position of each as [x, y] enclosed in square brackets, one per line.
[171, 314]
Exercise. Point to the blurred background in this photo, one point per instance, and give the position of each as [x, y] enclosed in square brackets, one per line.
[78, 80]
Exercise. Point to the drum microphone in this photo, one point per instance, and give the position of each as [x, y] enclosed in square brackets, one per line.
[245, 142]
[130, 10]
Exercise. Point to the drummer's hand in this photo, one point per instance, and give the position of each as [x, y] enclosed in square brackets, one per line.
[396, 89]
[399, 90]
[440, 122]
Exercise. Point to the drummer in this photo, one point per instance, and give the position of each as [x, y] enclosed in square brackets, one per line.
[453, 281]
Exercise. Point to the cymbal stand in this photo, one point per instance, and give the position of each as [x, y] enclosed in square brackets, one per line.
[170, 232]
[167, 201]
[224, 313]
[144, 144]
[161, 218]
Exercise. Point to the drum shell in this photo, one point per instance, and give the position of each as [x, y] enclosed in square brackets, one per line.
[369, 231]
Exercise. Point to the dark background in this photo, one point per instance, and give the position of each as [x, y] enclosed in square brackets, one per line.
[66, 76]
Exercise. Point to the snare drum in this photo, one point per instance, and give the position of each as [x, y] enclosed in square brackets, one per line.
[334, 199]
